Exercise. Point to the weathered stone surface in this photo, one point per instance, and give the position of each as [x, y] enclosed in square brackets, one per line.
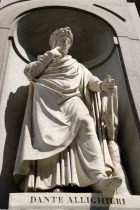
[72, 201]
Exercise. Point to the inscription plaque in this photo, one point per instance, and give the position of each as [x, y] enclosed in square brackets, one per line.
[71, 201]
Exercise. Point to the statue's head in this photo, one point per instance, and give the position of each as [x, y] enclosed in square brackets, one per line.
[62, 38]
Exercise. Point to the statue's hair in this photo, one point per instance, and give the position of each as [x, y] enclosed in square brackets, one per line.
[59, 32]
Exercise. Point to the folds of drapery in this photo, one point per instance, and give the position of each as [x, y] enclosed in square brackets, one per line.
[61, 169]
[30, 160]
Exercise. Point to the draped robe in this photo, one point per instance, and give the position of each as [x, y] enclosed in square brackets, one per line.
[59, 99]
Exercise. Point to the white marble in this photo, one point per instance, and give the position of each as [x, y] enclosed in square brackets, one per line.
[58, 138]
[72, 201]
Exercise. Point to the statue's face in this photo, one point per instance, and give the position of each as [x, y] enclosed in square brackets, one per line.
[64, 43]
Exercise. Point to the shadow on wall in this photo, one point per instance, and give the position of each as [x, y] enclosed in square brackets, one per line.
[14, 114]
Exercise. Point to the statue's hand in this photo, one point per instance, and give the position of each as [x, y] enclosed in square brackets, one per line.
[108, 84]
[56, 52]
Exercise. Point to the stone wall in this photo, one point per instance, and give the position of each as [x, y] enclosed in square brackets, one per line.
[123, 65]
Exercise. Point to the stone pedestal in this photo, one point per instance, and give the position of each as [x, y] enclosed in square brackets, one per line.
[72, 201]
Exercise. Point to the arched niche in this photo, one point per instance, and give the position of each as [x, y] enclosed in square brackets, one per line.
[93, 38]
[93, 46]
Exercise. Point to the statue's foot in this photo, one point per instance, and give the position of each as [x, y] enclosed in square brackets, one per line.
[57, 190]
[107, 184]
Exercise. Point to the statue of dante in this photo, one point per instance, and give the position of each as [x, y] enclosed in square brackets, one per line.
[58, 144]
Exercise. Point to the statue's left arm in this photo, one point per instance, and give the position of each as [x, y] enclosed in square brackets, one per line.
[96, 85]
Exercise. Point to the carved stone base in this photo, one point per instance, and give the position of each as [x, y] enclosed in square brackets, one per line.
[72, 201]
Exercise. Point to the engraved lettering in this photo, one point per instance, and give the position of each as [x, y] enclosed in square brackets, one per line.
[82, 200]
[118, 201]
[88, 199]
[54, 199]
[75, 201]
[93, 200]
[112, 200]
[60, 199]
[33, 199]
[39, 200]
[123, 201]
[101, 200]
[70, 200]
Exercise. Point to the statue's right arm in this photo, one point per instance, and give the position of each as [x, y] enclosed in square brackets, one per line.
[34, 69]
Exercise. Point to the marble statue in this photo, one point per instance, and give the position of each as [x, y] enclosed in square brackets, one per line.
[59, 145]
